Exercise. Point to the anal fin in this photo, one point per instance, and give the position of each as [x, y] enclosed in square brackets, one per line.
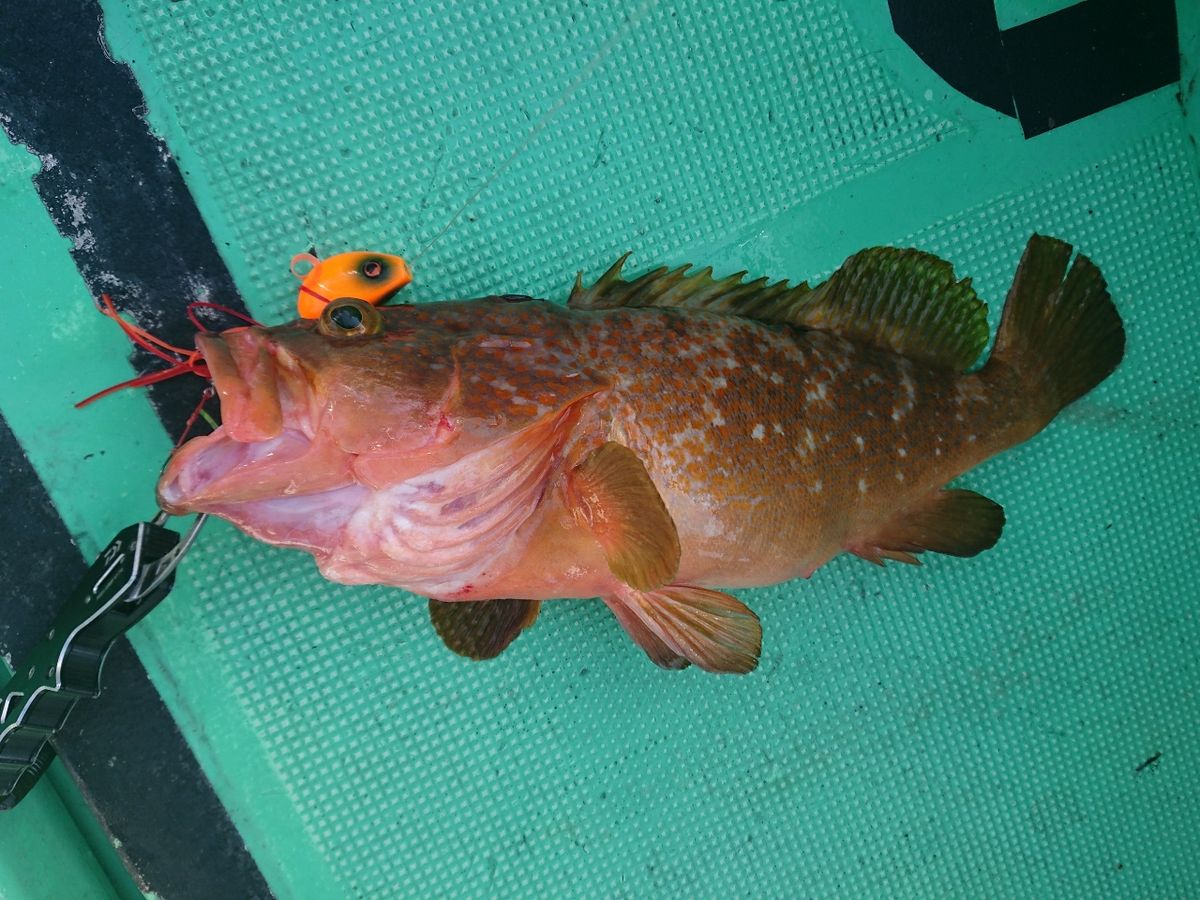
[481, 629]
[955, 522]
[678, 624]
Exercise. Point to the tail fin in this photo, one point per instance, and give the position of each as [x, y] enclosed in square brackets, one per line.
[1059, 338]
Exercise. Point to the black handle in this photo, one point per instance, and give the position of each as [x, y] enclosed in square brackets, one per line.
[129, 578]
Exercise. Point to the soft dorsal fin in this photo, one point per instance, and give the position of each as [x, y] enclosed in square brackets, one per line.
[902, 301]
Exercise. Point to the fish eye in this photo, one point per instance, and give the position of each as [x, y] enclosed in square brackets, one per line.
[371, 268]
[349, 317]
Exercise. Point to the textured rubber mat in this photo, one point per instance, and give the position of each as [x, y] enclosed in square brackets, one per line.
[1018, 724]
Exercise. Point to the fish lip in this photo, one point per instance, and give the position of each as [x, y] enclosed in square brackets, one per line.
[243, 370]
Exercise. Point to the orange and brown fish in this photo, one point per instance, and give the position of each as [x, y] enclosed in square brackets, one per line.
[654, 443]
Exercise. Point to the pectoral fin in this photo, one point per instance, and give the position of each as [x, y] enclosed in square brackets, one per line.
[677, 623]
[481, 629]
[959, 523]
[611, 492]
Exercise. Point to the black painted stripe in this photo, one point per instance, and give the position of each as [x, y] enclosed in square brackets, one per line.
[115, 191]
[141, 238]
[1088, 57]
[123, 749]
[1052, 70]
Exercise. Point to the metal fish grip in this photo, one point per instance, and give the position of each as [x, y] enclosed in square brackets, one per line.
[129, 578]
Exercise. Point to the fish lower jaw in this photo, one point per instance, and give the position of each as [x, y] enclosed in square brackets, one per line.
[217, 470]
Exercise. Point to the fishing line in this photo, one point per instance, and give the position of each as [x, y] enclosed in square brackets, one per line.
[544, 119]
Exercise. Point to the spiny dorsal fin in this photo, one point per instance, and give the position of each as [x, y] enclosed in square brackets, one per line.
[699, 290]
[903, 301]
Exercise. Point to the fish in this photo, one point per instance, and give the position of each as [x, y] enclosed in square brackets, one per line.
[657, 442]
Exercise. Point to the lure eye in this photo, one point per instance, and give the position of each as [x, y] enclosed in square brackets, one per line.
[349, 317]
[372, 268]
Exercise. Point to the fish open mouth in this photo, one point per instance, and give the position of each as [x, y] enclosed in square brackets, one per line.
[218, 470]
[266, 448]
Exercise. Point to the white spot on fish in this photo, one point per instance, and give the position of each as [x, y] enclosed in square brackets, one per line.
[718, 382]
[862, 485]
[777, 428]
[899, 476]
[897, 415]
[901, 452]
[817, 487]
[776, 378]
[970, 438]
[758, 433]
[808, 436]
[937, 451]
[860, 443]
[718, 420]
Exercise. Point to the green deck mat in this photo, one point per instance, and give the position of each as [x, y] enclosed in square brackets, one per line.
[965, 728]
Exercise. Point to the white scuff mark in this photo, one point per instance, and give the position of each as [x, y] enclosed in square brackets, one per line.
[759, 432]
[198, 286]
[77, 206]
[102, 40]
[84, 240]
[69, 322]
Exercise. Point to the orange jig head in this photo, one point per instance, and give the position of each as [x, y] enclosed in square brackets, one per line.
[370, 277]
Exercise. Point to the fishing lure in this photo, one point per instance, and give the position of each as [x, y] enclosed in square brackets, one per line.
[373, 278]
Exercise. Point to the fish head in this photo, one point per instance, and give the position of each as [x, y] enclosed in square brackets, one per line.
[317, 414]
